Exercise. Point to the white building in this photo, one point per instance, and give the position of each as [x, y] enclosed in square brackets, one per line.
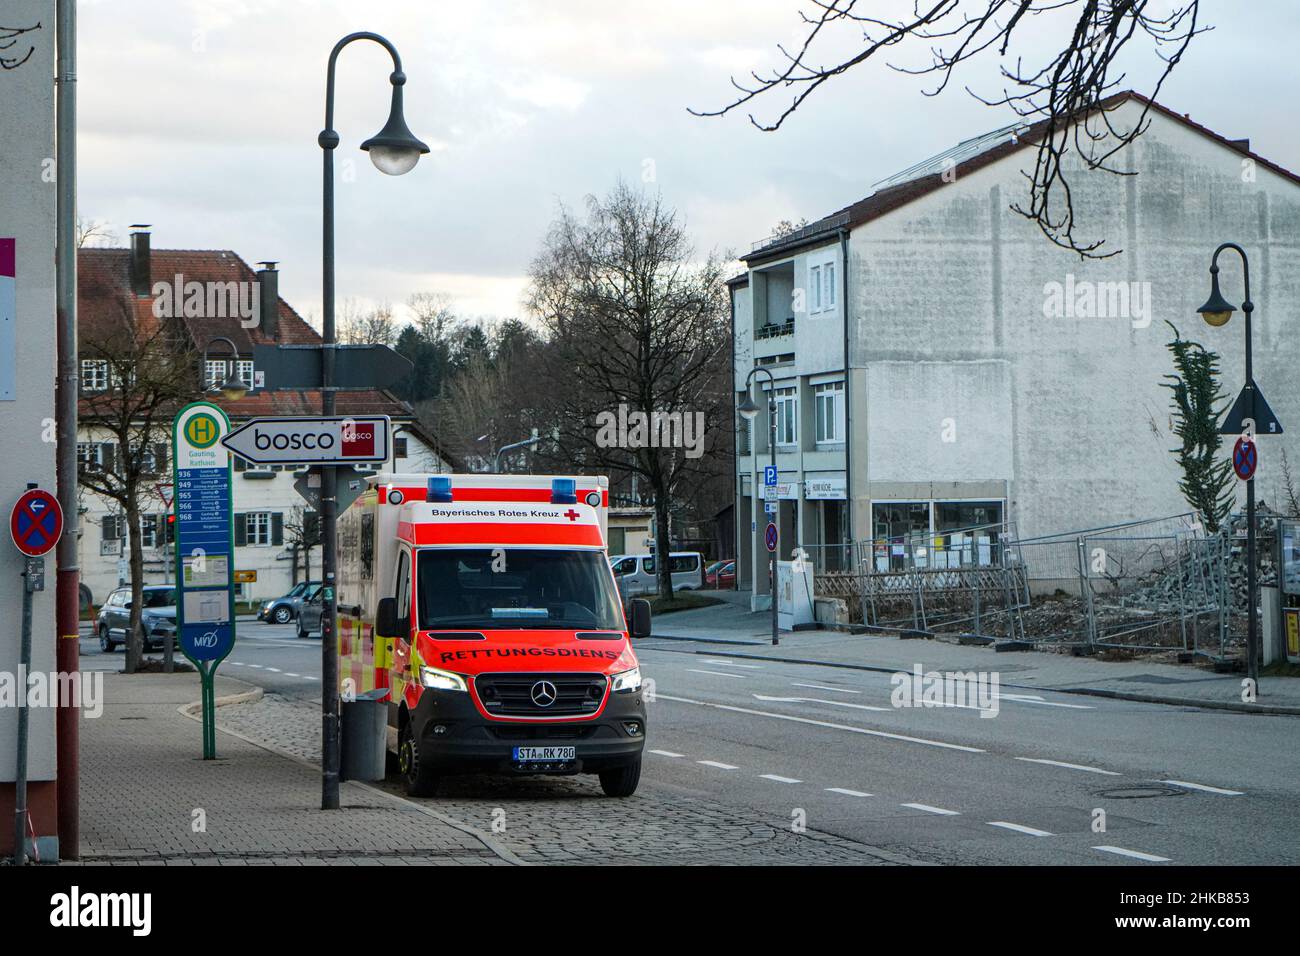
[270, 516]
[991, 375]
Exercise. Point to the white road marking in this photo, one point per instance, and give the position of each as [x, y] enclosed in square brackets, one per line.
[309, 677]
[838, 690]
[1036, 699]
[929, 809]
[818, 700]
[1019, 828]
[274, 670]
[1150, 858]
[823, 723]
[258, 666]
[287, 674]
[752, 667]
[720, 766]
[717, 673]
[778, 778]
[1070, 766]
[237, 663]
[1204, 787]
[667, 753]
[847, 793]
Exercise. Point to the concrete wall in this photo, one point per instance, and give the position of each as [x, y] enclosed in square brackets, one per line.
[27, 200]
[952, 318]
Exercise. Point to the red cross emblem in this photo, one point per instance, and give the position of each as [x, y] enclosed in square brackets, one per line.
[572, 515]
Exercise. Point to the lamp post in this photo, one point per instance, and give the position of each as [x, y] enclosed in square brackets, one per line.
[394, 151]
[749, 411]
[1216, 312]
[232, 387]
[496, 459]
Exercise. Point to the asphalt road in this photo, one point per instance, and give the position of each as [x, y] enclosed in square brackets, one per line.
[1051, 779]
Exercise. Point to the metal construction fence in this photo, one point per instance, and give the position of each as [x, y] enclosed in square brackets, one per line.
[1149, 585]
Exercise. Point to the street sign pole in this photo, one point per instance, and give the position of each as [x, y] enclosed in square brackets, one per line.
[205, 549]
[36, 525]
[329, 652]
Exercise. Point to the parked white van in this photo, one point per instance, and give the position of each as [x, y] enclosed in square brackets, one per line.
[635, 573]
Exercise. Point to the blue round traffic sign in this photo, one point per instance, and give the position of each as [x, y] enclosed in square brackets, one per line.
[770, 537]
[1244, 458]
[36, 522]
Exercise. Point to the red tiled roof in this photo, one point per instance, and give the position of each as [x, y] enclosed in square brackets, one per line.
[103, 275]
[891, 198]
[105, 300]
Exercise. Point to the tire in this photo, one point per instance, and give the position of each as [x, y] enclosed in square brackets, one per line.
[106, 643]
[621, 781]
[420, 780]
[301, 633]
[282, 614]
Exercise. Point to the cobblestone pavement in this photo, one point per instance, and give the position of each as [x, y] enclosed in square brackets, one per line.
[148, 797]
[567, 820]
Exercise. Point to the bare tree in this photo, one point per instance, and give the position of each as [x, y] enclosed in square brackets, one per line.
[302, 533]
[147, 371]
[94, 233]
[1063, 86]
[358, 326]
[635, 325]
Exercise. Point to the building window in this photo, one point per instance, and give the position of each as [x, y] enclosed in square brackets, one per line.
[114, 527]
[216, 370]
[399, 448]
[828, 401]
[94, 375]
[90, 455]
[156, 531]
[257, 525]
[787, 417]
[245, 367]
[744, 443]
[815, 289]
[828, 285]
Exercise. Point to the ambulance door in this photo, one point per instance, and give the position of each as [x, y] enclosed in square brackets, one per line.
[403, 643]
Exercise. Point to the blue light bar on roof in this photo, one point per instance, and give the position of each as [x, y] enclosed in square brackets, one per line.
[439, 488]
[564, 491]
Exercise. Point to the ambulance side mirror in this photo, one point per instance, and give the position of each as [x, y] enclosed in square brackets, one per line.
[640, 617]
[386, 618]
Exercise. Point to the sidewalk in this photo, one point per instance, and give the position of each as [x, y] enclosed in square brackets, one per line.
[148, 797]
[730, 630]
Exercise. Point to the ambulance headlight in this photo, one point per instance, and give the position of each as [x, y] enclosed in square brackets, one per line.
[441, 680]
[628, 681]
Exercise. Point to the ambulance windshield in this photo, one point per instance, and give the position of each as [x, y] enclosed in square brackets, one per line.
[516, 588]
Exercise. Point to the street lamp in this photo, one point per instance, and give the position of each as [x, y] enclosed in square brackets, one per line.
[234, 387]
[394, 151]
[1216, 312]
[749, 411]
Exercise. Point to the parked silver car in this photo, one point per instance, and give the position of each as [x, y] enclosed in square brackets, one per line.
[284, 609]
[309, 612]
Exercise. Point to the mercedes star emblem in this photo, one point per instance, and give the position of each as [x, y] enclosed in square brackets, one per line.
[543, 693]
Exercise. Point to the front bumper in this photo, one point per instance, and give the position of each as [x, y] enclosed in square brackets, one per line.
[468, 742]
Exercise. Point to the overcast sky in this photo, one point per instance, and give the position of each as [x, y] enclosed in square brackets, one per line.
[201, 116]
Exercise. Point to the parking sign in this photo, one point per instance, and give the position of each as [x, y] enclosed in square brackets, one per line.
[769, 475]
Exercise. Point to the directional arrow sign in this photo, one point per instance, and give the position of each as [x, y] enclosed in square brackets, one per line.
[338, 440]
[355, 366]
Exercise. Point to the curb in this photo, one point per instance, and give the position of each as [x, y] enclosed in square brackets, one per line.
[1230, 705]
[1260, 709]
[497, 849]
[705, 640]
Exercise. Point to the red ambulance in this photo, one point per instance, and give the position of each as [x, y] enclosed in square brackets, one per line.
[486, 605]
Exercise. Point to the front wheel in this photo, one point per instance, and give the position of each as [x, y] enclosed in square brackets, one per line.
[282, 615]
[419, 778]
[621, 781]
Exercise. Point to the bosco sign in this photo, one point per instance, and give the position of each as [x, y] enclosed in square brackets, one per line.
[319, 441]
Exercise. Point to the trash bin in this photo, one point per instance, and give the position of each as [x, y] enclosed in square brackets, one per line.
[363, 735]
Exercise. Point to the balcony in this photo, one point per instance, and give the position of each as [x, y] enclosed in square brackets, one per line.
[774, 330]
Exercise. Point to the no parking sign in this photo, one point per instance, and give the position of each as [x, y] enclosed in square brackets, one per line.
[36, 522]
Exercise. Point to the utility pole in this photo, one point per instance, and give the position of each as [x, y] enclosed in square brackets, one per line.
[749, 411]
[67, 589]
